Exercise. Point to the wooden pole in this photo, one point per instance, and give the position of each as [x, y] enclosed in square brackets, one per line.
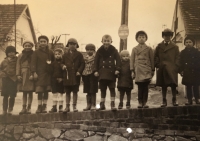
[15, 23]
[124, 20]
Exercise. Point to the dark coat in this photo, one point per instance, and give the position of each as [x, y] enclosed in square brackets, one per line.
[190, 66]
[75, 63]
[40, 66]
[166, 59]
[125, 80]
[107, 62]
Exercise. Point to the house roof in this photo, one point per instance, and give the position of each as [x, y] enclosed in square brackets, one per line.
[190, 10]
[7, 19]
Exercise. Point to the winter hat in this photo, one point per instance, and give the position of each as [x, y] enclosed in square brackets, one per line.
[28, 42]
[107, 36]
[124, 52]
[10, 49]
[189, 38]
[90, 46]
[60, 50]
[167, 32]
[43, 37]
[72, 40]
[139, 33]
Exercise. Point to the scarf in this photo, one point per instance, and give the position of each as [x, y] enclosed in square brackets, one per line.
[26, 56]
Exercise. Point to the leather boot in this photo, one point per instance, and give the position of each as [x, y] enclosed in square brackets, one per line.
[145, 105]
[189, 102]
[93, 102]
[88, 99]
[128, 105]
[140, 104]
[53, 110]
[28, 110]
[120, 105]
[74, 108]
[60, 108]
[174, 102]
[39, 109]
[44, 108]
[9, 111]
[23, 111]
[164, 103]
[102, 106]
[112, 104]
[67, 109]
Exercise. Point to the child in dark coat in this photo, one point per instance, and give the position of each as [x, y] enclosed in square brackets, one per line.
[107, 65]
[90, 81]
[73, 65]
[125, 81]
[9, 79]
[40, 67]
[24, 76]
[189, 68]
[57, 81]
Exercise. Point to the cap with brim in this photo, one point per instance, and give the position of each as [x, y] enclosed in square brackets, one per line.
[167, 32]
[72, 40]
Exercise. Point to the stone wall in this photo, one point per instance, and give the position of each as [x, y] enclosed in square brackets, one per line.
[154, 124]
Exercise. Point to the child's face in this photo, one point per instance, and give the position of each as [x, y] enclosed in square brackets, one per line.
[141, 39]
[125, 57]
[28, 47]
[11, 54]
[43, 43]
[189, 43]
[90, 52]
[57, 55]
[167, 38]
[72, 46]
[106, 42]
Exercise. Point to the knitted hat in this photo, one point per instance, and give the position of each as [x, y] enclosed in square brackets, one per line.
[10, 49]
[60, 50]
[90, 46]
[43, 37]
[167, 32]
[189, 38]
[107, 36]
[141, 33]
[124, 52]
[28, 42]
[72, 40]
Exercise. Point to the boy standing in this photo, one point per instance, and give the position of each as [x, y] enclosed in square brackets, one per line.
[40, 68]
[167, 63]
[107, 65]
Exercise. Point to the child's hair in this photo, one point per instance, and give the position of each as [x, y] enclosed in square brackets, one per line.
[59, 50]
[106, 36]
[124, 52]
[10, 49]
[167, 32]
[31, 43]
[43, 37]
[141, 32]
[90, 46]
[189, 38]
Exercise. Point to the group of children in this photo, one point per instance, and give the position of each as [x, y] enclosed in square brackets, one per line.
[44, 70]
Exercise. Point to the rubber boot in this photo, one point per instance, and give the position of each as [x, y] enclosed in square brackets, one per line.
[23, 111]
[44, 108]
[39, 109]
[74, 108]
[164, 103]
[88, 99]
[53, 110]
[112, 104]
[28, 110]
[93, 102]
[67, 109]
[120, 105]
[128, 105]
[60, 108]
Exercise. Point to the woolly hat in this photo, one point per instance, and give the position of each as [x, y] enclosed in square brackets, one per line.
[72, 40]
[167, 32]
[189, 38]
[141, 33]
[28, 42]
[107, 36]
[10, 49]
[90, 46]
[60, 50]
[124, 52]
[43, 37]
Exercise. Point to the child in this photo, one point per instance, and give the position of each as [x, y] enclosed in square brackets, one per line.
[189, 67]
[142, 66]
[73, 64]
[167, 63]
[24, 76]
[9, 79]
[107, 65]
[40, 67]
[125, 81]
[57, 81]
[89, 80]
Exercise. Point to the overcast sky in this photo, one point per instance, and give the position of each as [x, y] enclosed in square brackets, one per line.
[89, 20]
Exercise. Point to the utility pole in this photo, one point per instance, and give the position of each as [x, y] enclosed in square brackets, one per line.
[65, 38]
[124, 20]
[15, 23]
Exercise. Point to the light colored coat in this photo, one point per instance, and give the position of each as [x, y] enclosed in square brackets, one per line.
[142, 63]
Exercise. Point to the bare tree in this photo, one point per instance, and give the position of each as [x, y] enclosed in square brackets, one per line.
[54, 40]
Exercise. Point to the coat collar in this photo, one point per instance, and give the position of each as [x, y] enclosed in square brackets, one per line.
[106, 53]
[72, 56]
[165, 48]
[141, 48]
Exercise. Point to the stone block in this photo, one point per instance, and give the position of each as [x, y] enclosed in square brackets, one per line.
[116, 138]
[18, 129]
[46, 133]
[1, 127]
[32, 118]
[114, 124]
[28, 135]
[96, 123]
[9, 128]
[147, 112]
[163, 126]
[75, 135]
[94, 138]
[105, 124]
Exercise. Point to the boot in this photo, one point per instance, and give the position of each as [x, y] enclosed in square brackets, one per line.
[102, 106]
[74, 108]
[197, 101]
[120, 105]
[53, 110]
[93, 101]
[28, 110]
[164, 103]
[4, 113]
[88, 98]
[112, 104]
[44, 108]
[67, 109]
[23, 111]
[60, 108]
[174, 102]
[9, 111]
[140, 105]
[39, 109]
[128, 105]
[189, 102]
[145, 105]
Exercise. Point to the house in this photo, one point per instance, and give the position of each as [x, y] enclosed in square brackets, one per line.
[186, 21]
[24, 27]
